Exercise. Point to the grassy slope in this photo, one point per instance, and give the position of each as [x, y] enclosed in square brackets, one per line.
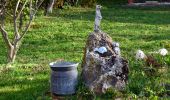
[63, 35]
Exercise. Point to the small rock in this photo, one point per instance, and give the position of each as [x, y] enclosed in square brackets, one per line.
[163, 52]
[140, 55]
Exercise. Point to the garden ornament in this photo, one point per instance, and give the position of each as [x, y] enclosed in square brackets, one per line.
[97, 19]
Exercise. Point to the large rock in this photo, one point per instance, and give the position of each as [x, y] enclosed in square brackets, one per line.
[103, 70]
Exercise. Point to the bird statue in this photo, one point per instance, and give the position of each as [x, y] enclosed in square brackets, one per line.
[98, 18]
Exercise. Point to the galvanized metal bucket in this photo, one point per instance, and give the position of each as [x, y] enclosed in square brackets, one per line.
[64, 78]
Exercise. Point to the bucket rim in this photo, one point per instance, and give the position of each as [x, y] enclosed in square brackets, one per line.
[63, 64]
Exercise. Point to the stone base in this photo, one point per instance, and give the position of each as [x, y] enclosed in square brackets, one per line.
[103, 71]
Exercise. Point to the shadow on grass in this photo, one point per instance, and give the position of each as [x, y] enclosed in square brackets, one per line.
[153, 16]
[34, 90]
[27, 83]
[3, 53]
[148, 37]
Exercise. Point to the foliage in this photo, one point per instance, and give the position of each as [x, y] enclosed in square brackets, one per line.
[84, 3]
[63, 35]
[12, 3]
[90, 3]
[60, 3]
[114, 1]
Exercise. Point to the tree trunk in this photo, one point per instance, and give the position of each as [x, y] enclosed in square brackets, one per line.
[50, 6]
[11, 55]
[12, 52]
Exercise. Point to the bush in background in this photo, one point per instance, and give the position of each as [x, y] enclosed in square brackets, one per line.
[90, 3]
[84, 3]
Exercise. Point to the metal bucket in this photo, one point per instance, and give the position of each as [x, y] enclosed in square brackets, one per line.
[64, 76]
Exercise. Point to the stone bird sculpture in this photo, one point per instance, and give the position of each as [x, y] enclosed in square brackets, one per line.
[97, 19]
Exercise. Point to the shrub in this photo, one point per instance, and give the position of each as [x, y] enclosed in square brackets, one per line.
[102, 2]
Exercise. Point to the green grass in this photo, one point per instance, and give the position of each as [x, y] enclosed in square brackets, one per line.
[63, 35]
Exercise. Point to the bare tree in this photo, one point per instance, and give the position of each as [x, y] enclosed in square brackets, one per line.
[19, 31]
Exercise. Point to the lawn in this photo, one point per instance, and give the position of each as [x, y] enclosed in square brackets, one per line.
[63, 34]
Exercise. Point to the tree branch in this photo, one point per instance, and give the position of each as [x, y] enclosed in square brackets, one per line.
[31, 19]
[31, 12]
[26, 29]
[9, 14]
[5, 37]
[16, 8]
[23, 6]
[2, 19]
[17, 35]
[2, 5]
